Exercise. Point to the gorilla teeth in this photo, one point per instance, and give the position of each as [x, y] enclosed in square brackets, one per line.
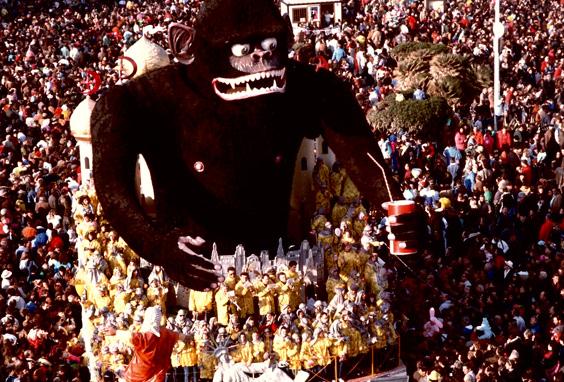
[250, 85]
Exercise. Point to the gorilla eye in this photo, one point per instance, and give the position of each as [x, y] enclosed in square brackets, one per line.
[239, 50]
[268, 43]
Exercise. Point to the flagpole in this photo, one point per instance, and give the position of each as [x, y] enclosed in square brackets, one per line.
[498, 29]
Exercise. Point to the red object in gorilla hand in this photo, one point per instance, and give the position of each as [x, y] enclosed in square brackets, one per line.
[401, 221]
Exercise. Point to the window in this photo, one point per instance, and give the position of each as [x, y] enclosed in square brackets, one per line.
[87, 163]
[327, 14]
[299, 15]
[313, 14]
[324, 148]
[304, 164]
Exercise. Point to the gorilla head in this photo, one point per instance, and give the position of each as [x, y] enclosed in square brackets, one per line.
[244, 44]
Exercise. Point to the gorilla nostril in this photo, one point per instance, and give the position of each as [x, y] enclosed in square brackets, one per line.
[256, 56]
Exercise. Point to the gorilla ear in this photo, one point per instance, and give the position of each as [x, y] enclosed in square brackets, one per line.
[180, 39]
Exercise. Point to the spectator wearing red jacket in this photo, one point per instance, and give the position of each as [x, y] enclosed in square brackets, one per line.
[478, 136]
[503, 138]
[488, 142]
[460, 140]
[527, 172]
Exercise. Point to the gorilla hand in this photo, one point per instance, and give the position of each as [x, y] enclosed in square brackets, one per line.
[186, 266]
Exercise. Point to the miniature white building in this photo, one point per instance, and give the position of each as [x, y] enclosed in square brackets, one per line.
[312, 11]
[302, 200]
[80, 129]
[147, 56]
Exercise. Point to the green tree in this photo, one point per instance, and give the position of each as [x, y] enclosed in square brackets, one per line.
[423, 119]
[447, 80]
[445, 75]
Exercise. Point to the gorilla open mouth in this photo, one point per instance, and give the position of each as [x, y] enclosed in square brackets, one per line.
[251, 85]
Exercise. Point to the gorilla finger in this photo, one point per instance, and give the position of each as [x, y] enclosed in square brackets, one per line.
[201, 261]
[207, 277]
[197, 241]
[183, 247]
[184, 239]
[195, 258]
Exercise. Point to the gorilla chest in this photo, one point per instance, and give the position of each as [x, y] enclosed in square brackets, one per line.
[236, 153]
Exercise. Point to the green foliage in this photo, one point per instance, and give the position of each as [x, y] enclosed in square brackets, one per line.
[484, 75]
[424, 50]
[412, 74]
[447, 79]
[449, 65]
[423, 119]
[439, 73]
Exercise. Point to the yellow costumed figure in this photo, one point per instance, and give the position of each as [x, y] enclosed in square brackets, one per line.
[244, 291]
[284, 290]
[321, 175]
[282, 344]
[293, 353]
[307, 356]
[259, 348]
[295, 280]
[244, 351]
[321, 348]
[200, 302]
[264, 290]
[231, 279]
[188, 359]
[222, 305]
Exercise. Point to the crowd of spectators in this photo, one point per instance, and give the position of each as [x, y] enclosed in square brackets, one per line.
[482, 302]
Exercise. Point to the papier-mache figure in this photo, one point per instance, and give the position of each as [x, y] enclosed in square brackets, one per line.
[152, 347]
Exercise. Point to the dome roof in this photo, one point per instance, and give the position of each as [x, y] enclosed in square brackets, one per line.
[80, 119]
[147, 55]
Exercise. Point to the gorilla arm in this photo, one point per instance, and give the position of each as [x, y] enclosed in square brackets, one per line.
[116, 144]
[344, 127]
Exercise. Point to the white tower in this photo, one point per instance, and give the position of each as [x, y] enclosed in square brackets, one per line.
[80, 129]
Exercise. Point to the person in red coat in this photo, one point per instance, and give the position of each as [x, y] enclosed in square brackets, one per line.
[488, 142]
[503, 138]
[152, 347]
[550, 222]
[460, 140]
[478, 136]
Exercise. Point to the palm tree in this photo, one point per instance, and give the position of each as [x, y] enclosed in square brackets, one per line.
[439, 73]
[447, 79]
